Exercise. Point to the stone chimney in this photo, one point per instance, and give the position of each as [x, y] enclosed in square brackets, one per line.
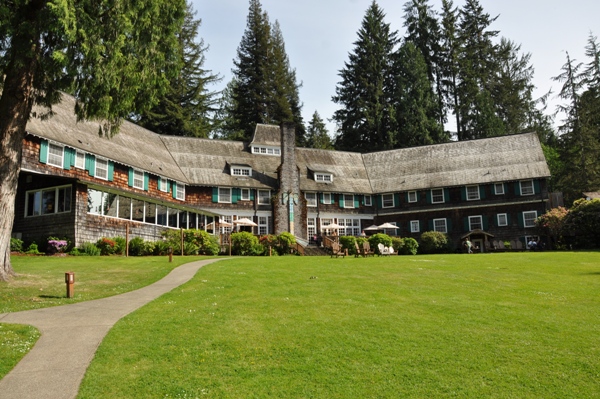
[286, 210]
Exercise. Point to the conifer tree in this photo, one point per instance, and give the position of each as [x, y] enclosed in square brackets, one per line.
[317, 135]
[366, 117]
[186, 108]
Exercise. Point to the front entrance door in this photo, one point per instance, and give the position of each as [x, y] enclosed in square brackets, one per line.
[477, 243]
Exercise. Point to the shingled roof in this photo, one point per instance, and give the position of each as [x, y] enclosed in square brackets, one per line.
[266, 135]
[497, 159]
[132, 146]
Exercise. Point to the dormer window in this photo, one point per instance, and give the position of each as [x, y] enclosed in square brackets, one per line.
[241, 170]
[323, 177]
[266, 150]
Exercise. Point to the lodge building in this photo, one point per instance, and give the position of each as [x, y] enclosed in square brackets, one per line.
[76, 184]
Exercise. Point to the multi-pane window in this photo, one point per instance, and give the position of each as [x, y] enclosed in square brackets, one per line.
[387, 200]
[266, 150]
[311, 229]
[48, 201]
[179, 191]
[351, 227]
[475, 223]
[264, 197]
[311, 199]
[80, 160]
[138, 179]
[226, 225]
[323, 177]
[472, 193]
[499, 189]
[245, 195]
[224, 195]
[102, 169]
[502, 219]
[440, 225]
[239, 171]
[437, 195]
[55, 154]
[327, 198]
[264, 225]
[527, 187]
[163, 184]
[368, 200]
[412, 196]
[348, 201]
[415, 226]
[529, 218]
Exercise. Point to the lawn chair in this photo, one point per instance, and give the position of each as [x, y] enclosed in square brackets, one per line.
[383, 250]
[359, 251]
[367, 249]
[336, 250]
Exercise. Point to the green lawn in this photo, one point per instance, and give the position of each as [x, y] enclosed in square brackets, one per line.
[514, 325]
[41, 283]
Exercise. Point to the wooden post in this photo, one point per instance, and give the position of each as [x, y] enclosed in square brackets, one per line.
[127, 241]
[181, 242]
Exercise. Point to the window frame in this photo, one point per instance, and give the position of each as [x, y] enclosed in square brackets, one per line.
[435, 228]
[241, 171]
[98, 170]
[53, 157]
[412, 226]
[475, 191]
[310, 202]
[260, 198]
[499, 192]
[179, 191]
[164, 184]
[138, 176]
[479, 222]
[327, 198]
[410, 195]
[225, 196]
[532, 188]
[525, 225]
[383, 200]
[349, 204]
[437, 195]
[368, 200]
[245, 194]
[79, 160]
[55, 205]
[321, 177]
[505, 219]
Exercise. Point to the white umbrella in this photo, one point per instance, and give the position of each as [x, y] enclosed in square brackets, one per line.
[373, 227]
[388, 226]
[244, 222]
[334, 226]
[223, 223]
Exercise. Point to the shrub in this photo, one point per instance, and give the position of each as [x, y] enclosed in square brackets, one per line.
[243, 243]
[379, 238]
[434, 242]
[409, 246]
[136, 246]
[120, 245]
[32, 249]
[347, 242]
[161, 248]
[106, 246]
[285, 242]
[88, 249]
[189, 248]
[205, 243]
[583, 222]
[16, 245]
[55, 245]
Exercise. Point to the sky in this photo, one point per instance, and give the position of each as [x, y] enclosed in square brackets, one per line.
[319, 35]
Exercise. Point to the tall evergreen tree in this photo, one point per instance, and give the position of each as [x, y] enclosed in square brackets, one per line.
[186, 108]
[264, 88]
[416, 103]
[317, 135]
[116, 56]
[365, 119]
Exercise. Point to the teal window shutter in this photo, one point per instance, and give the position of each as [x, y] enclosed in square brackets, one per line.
[397, 199]
[252, 194]
[517, 188]
[446, 195]
[430, 224]
[146, 180]
[463, 193]
[429, 196]
[521, 221]
[379, 201]
[449, 225]
[466, 223]
[215, 194]
[482, 192]
[484, 221]
[508, 219]
[536, 187]
[235, 195]
[90, 164]
[158, 183]
[357, 201]
[68, 158]
[406, 197]
[44, 151]
[321, 198]
[111, 170]
[341, 200]
[174, 189]
[130, 179]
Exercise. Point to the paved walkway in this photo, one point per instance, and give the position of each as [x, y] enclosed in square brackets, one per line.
[55, 366]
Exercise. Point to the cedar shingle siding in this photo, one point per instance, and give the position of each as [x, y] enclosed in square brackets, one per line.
[203, 166]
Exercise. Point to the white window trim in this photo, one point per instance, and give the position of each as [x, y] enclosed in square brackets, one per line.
[245, 194]
[79, 155]
[259, 197]
[368, 200]
[98, 168]
[62, 154]
[480, 222]
[140, 179]
[412, 226]
[474, 198]
[327, 198]
[241, 171]
[348, 204]
[505, 219]
[179, 191]
[525, 220]
[412, 199]
[324, 177]
[264, 150]
[432, 196]
[164, 184]
[496, 191]
[311, 202]
[383, 201]
[445, 225]
[221, 201]
[521, 187]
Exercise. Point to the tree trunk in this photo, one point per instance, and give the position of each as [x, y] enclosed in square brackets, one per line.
[15, 107]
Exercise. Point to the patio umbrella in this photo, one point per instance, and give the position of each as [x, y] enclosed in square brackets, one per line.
[373, 227]
[244, 222]
[388, 226]
[223, 223]
[334, 226]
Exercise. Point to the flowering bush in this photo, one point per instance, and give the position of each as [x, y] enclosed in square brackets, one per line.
[106, 246]
[57, 246]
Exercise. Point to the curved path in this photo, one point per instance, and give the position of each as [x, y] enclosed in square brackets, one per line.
[70, 335]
